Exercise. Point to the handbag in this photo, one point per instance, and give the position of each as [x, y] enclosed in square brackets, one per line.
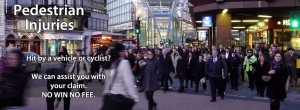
[267, 78]
[116, 101]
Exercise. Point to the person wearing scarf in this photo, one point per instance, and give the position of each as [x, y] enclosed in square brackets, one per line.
[276, 89]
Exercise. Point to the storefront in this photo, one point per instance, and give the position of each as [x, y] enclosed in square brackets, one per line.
[54, 43]
[283, 33]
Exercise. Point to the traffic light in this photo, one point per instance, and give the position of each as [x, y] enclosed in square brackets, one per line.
[137, 26]
[295, 19]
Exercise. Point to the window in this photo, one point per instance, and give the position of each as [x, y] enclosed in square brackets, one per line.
[98, 24]
[94, 23]
[101, 25]
[90, 23]
[105, 25]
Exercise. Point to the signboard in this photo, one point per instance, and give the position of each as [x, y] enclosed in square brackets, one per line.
[206, 21]
[52, 48]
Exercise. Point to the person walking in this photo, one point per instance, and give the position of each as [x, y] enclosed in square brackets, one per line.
[250, 59]
[276, 90]
[119, 83]
[95, 65]
[166, 67]
[262, 68]
[63, 53]
[190, 69]
[180, 71]
[80, 67]
[50, 100]
[199, 71]
[216, 71]
[233, 69]
[290, 60]
[150, 78]
[13, 82]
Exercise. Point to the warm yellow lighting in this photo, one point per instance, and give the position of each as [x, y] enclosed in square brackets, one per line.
[239, 27]
[264, 16]
[234, 30]
[235, 21]
[250, 21]
[266, 20]
[225, 11]
[198, 21]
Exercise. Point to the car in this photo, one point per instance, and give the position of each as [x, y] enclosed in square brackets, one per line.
[31, 66]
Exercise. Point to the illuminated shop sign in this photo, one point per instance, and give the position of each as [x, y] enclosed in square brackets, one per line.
[206, 21]
[285, 22]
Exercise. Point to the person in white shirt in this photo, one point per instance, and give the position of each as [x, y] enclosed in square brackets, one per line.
[124, 81]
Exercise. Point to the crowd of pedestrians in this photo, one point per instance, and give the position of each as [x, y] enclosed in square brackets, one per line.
[270, 71]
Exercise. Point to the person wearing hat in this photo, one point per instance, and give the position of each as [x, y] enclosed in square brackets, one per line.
[290, 61]
[249, 60]
[80, 67]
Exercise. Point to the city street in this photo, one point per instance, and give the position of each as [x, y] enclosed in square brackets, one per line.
[244, 99]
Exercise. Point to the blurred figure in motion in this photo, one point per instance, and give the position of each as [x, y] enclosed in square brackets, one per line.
[63, 53]
[80, 68]
[51, 100]
[13, 82]
[119, 90]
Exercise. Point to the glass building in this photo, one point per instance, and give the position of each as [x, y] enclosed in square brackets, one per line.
[162, 21]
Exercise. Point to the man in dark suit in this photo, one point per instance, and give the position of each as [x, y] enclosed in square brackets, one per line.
[216, 70]
[166, 67]
[190, 69]
[95, 65]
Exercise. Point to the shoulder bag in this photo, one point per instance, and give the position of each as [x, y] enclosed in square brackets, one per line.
[267, 78]
[116, 101]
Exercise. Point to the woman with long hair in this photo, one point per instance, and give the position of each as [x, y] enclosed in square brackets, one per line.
[119, 80]
[276, 89]
[150, 81]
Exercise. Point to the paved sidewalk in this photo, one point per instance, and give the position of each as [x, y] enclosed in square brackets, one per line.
[166, 101]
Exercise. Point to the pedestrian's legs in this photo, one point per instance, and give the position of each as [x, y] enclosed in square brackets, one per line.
[162, 79]
[192, 83]
[166, 81]
[251, 81]
[243, 75]
[50, 103]
[81, 89]
[151, 102]
[186, 83]
[232, 81]
[181, 81]
[275, 104]
[213, 90]
[221, 85]
[258, 86]
[197, 81]
[67, 101]
[171, 80]
[204, 86]
[63, 65]
[93, 71]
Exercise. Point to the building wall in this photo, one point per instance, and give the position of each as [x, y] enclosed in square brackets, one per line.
[2, 27]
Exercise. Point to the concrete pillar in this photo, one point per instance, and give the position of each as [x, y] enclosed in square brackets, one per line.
[223, 29]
